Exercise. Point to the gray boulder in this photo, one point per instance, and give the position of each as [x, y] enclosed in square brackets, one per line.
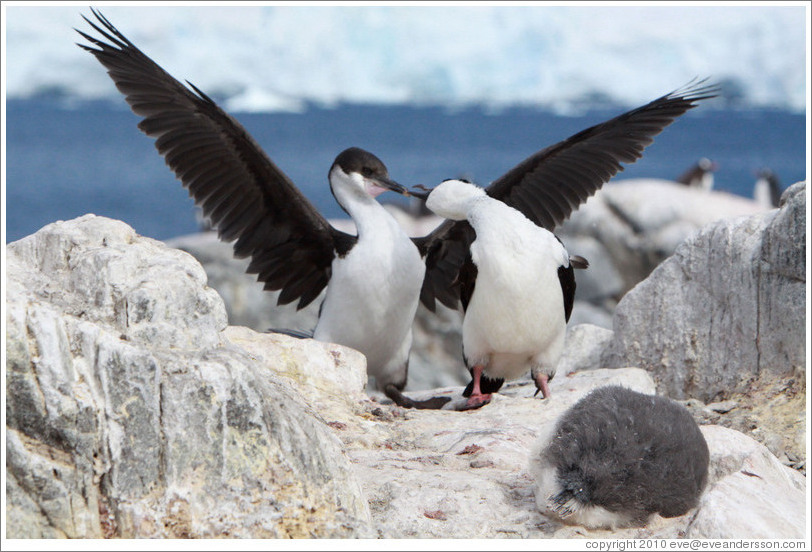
[603, 280]
[750, 494]
[728, 307]
[448, 474]
[129, 414]
[583, 348]
[584, 312]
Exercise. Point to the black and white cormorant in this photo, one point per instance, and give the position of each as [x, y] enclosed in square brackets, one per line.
[699, 175]
[767, 189]
[616, 457]
[373, 280]
[497, 256]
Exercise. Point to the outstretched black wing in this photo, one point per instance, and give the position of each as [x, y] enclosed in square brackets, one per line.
[550, 184]
[242, 192]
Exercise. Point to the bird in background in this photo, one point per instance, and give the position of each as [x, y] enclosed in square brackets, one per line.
[767, 189]
[700, 175]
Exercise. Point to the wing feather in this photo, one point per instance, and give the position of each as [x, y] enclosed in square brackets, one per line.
[550, 184]
[248, 199]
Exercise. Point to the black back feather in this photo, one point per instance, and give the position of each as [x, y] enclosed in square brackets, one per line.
[566, 275]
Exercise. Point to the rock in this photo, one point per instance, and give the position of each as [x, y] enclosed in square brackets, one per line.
[247, 303]
[471, 466]
[772, 411]
[727, 307]
[583, 348]
[130, 415]
[584, 312]
[446, 474]
[751, 495]
[724, 318]
[723, 407]
[227, 432]
[781, 275]
[602, 280]
[436, 358]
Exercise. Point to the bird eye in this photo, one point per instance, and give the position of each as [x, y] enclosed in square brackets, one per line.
[366, 171]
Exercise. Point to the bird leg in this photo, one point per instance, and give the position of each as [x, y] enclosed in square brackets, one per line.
[541, 380]
[477, 399]
[434, 403]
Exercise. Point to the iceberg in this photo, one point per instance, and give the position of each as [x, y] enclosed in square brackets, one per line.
[282, 58]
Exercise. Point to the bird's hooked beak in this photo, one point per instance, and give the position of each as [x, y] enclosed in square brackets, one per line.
[379, 184]
[422, 194]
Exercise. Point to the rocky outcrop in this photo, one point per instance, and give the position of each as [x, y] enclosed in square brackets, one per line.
[740, 470]
[585, 344]
[724, 310]
[129, 415]
[134, 411]
[449, 474]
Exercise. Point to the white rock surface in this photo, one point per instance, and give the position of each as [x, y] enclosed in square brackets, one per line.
[229, 432]
[449, 474]
[583, 348]
[751, 495]
[129, 415]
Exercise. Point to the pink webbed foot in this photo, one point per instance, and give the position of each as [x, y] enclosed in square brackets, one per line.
[476, 401]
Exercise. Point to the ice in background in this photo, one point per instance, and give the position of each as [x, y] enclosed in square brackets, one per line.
[270, 58]
[436, 92]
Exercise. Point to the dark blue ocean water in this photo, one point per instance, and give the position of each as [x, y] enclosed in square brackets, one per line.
[65, 162]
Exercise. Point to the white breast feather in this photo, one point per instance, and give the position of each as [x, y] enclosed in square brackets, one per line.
[372, 298]
[517, 307]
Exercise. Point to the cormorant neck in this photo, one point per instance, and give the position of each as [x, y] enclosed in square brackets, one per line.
[365, 211]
